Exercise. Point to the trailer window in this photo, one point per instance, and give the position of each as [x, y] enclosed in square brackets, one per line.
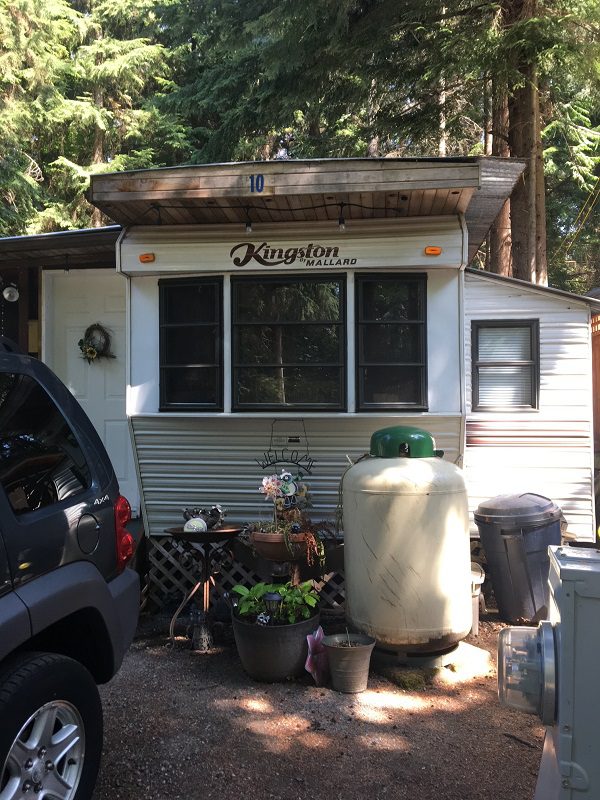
[391, 351]
[505, 364]
[191, 344]
[289, 342]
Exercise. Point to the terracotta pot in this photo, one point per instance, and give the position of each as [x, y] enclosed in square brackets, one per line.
[273, 547]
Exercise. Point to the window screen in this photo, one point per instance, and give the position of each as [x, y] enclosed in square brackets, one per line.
[191, 348]
[289, 342]
[391, 341]
[505, 364]
[41, 462]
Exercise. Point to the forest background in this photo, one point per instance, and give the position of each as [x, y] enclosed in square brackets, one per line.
[92, 86]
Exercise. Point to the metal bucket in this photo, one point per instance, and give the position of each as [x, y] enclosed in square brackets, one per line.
[349, 666]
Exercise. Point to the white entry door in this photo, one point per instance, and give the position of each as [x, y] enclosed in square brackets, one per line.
[73, 301]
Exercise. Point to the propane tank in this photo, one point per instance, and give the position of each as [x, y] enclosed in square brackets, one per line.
[407, 563]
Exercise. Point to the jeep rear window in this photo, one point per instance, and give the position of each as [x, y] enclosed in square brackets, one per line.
[41, 462]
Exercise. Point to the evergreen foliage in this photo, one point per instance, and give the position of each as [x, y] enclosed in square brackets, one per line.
[90, 85]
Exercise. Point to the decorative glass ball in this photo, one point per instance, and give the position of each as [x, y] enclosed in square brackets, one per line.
[195, 525]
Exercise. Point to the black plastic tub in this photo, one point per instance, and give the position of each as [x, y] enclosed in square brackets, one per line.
[273, 653]
[516, 531]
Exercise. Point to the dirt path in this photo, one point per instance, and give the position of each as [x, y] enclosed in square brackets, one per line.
[181, 724]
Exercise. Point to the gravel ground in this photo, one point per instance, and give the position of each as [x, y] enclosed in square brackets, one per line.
[184, 724]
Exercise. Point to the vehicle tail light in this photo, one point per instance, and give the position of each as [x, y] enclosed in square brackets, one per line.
[125, 541]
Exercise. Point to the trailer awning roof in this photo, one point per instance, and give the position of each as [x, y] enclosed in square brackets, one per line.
[311, 190]
[81, 249]
[290, 191]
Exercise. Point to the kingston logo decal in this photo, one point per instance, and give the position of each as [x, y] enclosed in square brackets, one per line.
[313, 255]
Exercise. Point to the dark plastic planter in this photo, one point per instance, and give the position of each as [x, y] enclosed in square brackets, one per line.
[349, 666]
[273, 652]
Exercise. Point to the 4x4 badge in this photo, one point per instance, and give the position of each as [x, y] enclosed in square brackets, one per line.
[99, 500]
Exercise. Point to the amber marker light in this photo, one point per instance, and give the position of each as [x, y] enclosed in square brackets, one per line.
[147, 258]
[433, 251]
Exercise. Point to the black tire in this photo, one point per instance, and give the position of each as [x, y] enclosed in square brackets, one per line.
[55, 688]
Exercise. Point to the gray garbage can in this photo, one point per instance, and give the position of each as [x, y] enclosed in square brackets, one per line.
[515, 532]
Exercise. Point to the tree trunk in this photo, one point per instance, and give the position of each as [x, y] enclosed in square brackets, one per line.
[522, 109]
[373, 148]
[488, 121]
[500, 261]
[527, 200]
[541, 259]
[98, 154]
[443, 140]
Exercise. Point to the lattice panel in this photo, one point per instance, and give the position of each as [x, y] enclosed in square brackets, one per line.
[332, 591]
[175, 568]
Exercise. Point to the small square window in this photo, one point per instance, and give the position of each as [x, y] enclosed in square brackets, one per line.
[505, 364]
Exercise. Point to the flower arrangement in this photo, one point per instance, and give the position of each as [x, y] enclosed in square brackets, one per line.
[287, 494]
[96, 343]
[290, 498]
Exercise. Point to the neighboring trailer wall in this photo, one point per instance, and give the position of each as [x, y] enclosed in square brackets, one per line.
[549, 450]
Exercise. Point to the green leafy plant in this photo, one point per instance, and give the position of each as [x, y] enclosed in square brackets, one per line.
[297, 602]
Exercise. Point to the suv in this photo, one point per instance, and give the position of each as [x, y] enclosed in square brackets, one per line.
[68, 601]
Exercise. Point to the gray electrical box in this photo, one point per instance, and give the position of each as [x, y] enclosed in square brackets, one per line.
[552, 670]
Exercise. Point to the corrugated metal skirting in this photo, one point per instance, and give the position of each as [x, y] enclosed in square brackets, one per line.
[199, 461]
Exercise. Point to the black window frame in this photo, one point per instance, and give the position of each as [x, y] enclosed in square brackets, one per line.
[533, 363]
[342, 366]
[163, 285]
[361, 326]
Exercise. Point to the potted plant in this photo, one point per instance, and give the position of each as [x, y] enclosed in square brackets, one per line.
[349, 657]
[290, 536]
[270, 626]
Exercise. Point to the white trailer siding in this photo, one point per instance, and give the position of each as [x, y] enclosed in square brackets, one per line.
[550, 450]
[187, 459]
[443, 343]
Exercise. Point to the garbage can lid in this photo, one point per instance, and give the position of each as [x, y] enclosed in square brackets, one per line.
[515, 510]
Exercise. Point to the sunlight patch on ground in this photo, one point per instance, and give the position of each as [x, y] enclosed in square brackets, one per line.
[469, 662]
[290, 728]
[375, 706]
[387, 742]
[256, 705]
